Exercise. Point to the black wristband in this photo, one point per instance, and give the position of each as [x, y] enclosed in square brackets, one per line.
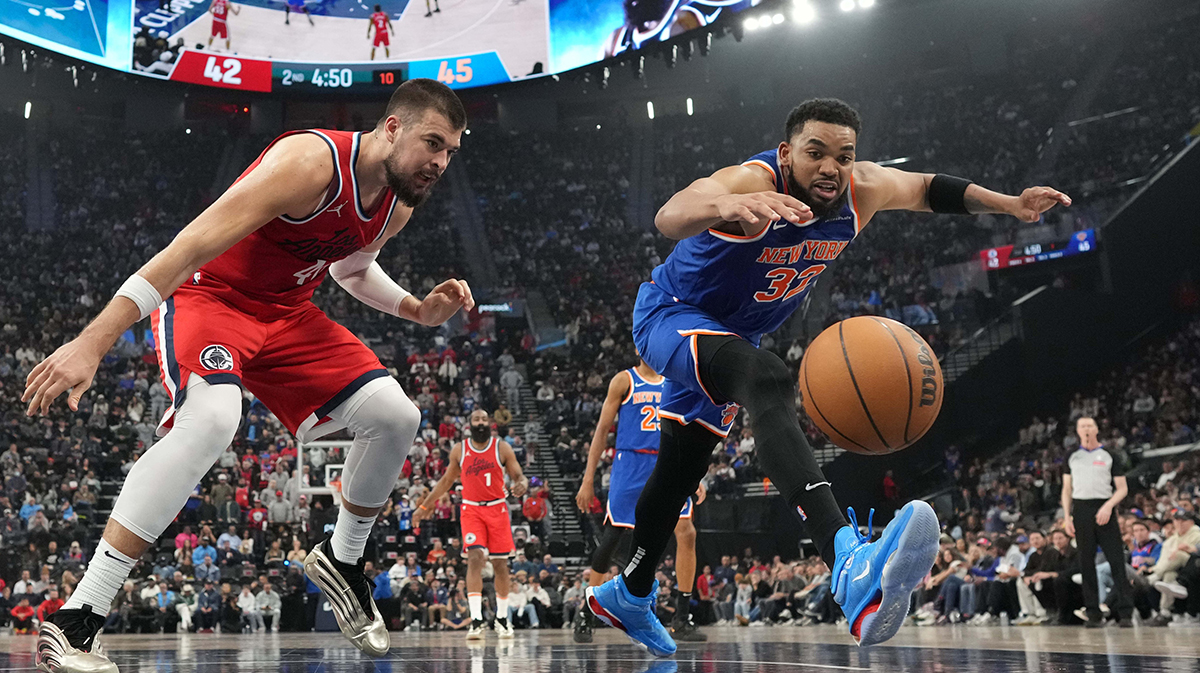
[946, 194]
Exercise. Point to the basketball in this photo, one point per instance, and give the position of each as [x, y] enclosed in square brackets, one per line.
[871, 384]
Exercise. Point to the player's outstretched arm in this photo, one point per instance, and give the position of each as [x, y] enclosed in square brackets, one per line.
[618, 388]
[513, 468]
[741, 194]
[292, 178]
[425, 509]
[884, 188]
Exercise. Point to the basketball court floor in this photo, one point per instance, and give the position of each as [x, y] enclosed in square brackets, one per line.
[784, 649]
[517, 30]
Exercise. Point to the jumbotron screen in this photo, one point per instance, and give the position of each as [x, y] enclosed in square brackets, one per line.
[351, 45]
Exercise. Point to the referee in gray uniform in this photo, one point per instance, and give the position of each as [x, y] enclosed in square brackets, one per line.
[1093, 486]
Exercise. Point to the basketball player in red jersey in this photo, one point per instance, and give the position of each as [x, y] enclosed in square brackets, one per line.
[482, 461]
[382, 25]
[238, 283]
[220, 10]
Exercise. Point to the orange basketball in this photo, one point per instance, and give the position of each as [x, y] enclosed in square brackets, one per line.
[872, 385]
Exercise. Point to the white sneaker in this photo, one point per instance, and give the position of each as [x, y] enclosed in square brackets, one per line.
[504, 630]
[1174, 588]
[1081, 613]
[476, 630]
[1077, 578]
[757, 624]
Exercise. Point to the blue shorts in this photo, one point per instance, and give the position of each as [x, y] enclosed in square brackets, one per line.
[665, 333]
[630, 471]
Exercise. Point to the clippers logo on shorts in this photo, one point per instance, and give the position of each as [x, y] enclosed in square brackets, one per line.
[216, 357]
[469, 538]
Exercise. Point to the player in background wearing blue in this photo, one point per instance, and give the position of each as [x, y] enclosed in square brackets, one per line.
[752, 238]
[633, 399]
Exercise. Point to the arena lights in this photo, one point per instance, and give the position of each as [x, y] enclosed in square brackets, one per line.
[28, 108]
[866, 4]
[764, 21]
[689, 107]
[804, 13]
[847, 5]
[650, 109]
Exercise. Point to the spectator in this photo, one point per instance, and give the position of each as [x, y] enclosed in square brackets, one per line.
[268, 604]
[247, 604]
[208, 607]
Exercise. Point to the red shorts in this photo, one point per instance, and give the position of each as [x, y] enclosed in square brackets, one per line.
[219, 29]
[301, 365]
[487, 527]
[381, 40]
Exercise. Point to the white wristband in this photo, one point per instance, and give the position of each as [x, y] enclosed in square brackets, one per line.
[141, 293]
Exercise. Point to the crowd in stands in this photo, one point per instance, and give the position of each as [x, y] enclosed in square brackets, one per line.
[1006, 530]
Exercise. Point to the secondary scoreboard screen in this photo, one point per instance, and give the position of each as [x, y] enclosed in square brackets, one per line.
[1008, 256]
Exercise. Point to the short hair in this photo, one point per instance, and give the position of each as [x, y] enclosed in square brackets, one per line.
[415, 96]
[828, 110]
[378, 8]
[1141, 523]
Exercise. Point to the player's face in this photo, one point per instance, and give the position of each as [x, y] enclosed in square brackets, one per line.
[420, 153]
[819, 160]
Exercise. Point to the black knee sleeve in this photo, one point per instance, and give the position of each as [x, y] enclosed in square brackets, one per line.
[758, 380]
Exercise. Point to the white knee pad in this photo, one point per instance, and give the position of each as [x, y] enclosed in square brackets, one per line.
[162, 479]
[384, 426]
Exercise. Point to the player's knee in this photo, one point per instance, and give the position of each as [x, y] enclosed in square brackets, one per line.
[215, 410]
[769, 376]
[685, 533]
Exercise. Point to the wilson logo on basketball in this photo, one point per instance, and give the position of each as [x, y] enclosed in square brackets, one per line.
[929, 378]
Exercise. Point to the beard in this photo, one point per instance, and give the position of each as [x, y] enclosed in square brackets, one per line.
[820, 207]
[402, 186]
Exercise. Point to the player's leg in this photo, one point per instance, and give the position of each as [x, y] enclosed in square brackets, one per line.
[610, 541]
[503, 624]
[156, 489]
[476, 558]
[428, 9]
[875, 602]
[387, 53]
[372, 53]
[309, 15]
[287, 14]
[682, 627]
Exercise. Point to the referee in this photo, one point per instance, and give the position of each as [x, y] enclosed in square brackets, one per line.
[1093, 486]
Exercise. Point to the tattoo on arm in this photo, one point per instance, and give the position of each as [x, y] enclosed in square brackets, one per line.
[974, 205]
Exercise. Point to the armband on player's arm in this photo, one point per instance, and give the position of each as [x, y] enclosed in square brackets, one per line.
[361, 276]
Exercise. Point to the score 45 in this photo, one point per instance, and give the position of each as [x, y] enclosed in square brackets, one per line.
[461, 73]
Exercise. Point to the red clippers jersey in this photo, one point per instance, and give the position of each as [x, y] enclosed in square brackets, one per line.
[482, 474]
[220, 9]
[380, 20]
[276, 269]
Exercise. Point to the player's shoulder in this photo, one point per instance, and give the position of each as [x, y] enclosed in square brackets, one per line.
[301, 151]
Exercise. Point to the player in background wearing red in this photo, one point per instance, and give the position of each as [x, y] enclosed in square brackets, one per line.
[231, 300]
[482, 461]
[382, 25]
[220, 11]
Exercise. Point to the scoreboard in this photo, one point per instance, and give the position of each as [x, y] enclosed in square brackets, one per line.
[1008, 256]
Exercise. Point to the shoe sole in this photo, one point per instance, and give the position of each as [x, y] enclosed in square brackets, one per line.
[905, 569]
[603, 615]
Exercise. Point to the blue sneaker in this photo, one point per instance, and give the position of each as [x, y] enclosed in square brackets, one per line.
[612, 604]
[873, 581]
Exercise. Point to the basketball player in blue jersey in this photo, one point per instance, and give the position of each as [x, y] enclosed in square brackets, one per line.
[752, 239]
[633, 399]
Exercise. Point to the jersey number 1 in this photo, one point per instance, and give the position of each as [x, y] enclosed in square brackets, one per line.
[487, 479]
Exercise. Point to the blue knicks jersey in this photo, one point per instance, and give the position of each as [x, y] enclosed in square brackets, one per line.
[751, 284]
[637, 419]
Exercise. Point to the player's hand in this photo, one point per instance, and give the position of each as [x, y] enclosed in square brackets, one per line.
[755, 211]
[1069, 527]
[587, 493]
[1034, 201]
[444, 301]
[701, 493]
[1103, 515]
[71, 367]
[420, 514]
[520, 488]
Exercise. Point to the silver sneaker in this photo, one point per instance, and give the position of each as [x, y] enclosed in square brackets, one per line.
[367, 634]
[55, 654]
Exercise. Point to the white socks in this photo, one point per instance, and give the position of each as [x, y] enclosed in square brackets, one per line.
[102, 581]
[350, 535]
[476, 603]
[501, 607]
